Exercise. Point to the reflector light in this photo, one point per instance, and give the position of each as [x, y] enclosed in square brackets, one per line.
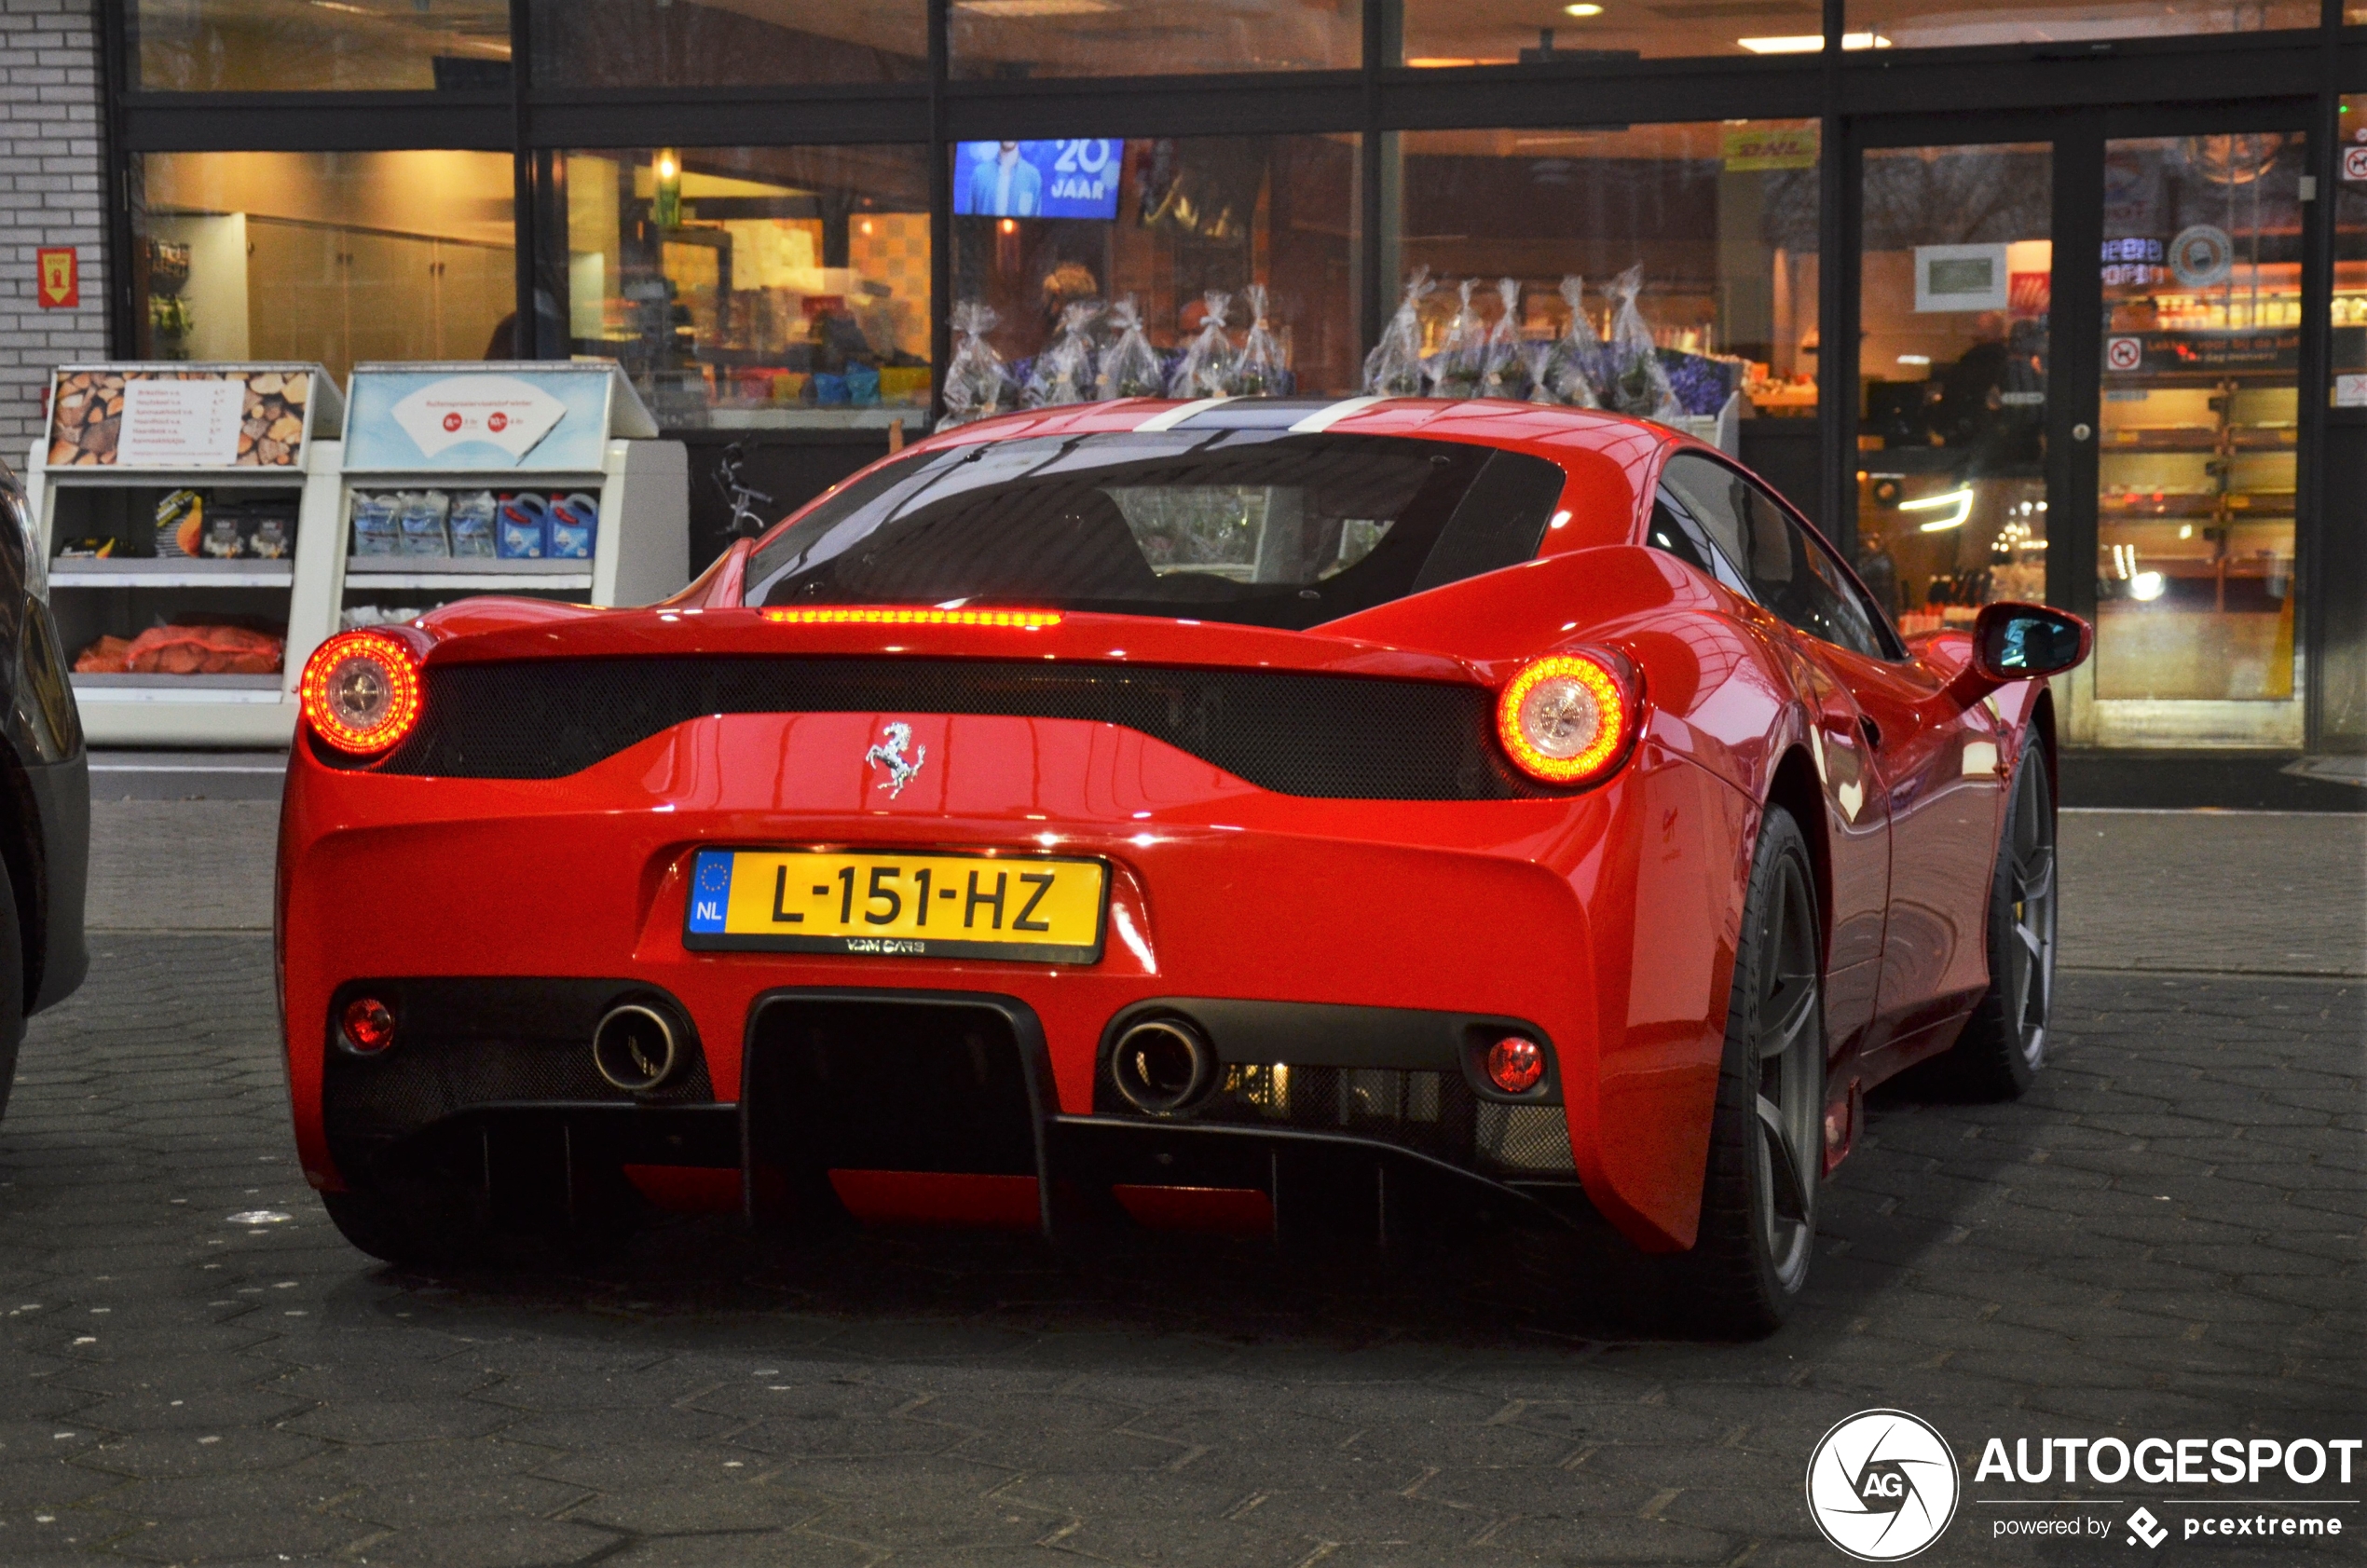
[1024, 620]
[369, 1026]
[1514, 1064]
[360, 690]
[1563, 719]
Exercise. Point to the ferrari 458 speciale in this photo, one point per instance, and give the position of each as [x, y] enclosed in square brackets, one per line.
[1246, 815]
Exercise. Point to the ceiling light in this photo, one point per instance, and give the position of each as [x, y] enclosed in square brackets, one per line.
[1810, 43]
[1914, 358]
[1035, 7]
[1582, 9]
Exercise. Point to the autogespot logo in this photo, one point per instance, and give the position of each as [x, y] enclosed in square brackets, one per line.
[1881, 1485]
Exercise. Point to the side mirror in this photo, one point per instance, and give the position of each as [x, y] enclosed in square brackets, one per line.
[2023, 642]
[2015, 642]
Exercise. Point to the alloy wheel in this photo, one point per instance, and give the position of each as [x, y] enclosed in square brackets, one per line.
[2030, 955]
[1790, 1078]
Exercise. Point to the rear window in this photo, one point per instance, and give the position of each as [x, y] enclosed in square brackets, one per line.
[1257, 526]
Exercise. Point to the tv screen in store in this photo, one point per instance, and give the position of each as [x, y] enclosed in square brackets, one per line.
[1068, 179]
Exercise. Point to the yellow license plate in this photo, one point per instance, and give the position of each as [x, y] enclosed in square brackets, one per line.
[1029, 908]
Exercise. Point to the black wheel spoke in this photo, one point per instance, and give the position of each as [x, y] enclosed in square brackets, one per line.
[1788, 1191]
[1790, 1012]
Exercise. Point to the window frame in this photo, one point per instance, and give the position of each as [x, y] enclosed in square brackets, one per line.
[1894, 647]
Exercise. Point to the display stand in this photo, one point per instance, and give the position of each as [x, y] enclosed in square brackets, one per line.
[248, 440]
[539, 428]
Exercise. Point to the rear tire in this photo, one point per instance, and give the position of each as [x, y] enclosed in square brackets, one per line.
[1758, 1196]
[2005, 1043]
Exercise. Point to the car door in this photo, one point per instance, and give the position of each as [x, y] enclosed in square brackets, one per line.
[1719, 502]
[1939, 767]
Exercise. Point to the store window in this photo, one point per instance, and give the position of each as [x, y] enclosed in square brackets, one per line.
[747, 287]
[1919, 24]
[1692, 245]
[2350, 257]
[2198, 445]
[310, 46]
[334, 257]
[1128, 243]
[1449, 32]
[1956, 281]
[727, 43]
[1016, 39]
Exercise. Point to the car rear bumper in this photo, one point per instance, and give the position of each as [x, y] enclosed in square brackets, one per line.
[1276, 918]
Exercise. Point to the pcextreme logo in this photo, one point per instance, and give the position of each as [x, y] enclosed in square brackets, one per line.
[1882, 1485]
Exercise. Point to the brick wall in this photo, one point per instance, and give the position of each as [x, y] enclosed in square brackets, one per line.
[55, 188]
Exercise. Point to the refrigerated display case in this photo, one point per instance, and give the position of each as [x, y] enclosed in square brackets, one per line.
[560, 460]
[177, 506]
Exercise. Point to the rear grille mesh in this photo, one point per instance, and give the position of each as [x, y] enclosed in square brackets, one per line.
[1341, 737]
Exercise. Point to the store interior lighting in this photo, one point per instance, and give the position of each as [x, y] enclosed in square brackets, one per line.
[1952, 506]
[1810, 43]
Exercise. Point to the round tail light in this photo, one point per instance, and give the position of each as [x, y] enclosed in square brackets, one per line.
[1515, 1064]
[361, 691]
[1568, 718]
[368, 1024]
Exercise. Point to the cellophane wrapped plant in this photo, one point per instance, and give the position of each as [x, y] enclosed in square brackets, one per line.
[1504, 367]
[1129, 365]
[1263, 368]
[1394, 367]
[1063, 372]
[1572, 363]
[1456, 369]
[1635, 377]
[1208, 364]
[977, 386]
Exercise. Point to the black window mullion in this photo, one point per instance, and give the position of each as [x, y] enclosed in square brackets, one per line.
[941, 205]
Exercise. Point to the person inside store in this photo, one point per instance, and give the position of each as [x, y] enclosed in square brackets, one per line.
[1006, 185]
[1986, 404]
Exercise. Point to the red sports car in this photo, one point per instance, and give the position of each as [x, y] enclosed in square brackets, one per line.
[1239, 814]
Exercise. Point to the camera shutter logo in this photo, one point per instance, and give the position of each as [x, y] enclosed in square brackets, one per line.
[1882, 1485]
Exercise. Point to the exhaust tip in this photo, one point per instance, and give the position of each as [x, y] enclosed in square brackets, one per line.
[636, 1047]
[1164, 1067]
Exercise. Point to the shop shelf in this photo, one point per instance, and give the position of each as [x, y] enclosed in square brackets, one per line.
[166, 689]
[169, 572]
[428, 571]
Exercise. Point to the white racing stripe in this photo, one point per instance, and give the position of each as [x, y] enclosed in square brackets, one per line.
[1331, 414]
[1179, 413]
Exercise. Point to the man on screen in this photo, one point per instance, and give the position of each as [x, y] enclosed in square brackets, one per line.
[1006, 185]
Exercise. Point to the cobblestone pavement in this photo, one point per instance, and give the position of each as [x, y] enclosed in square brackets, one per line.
[2164, 1237]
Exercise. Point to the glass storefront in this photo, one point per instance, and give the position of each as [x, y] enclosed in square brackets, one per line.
[2197, 443]
[1710, 227]
[1177, 227]
[1441, 34]
[1039, 200]
[1943, 23]
[1013, 40]
[582, 44]
[355, 45]
[334, 257]
[1954, 291]
[753, 287]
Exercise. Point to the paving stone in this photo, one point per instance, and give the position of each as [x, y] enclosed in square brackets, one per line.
[2185, 1259]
